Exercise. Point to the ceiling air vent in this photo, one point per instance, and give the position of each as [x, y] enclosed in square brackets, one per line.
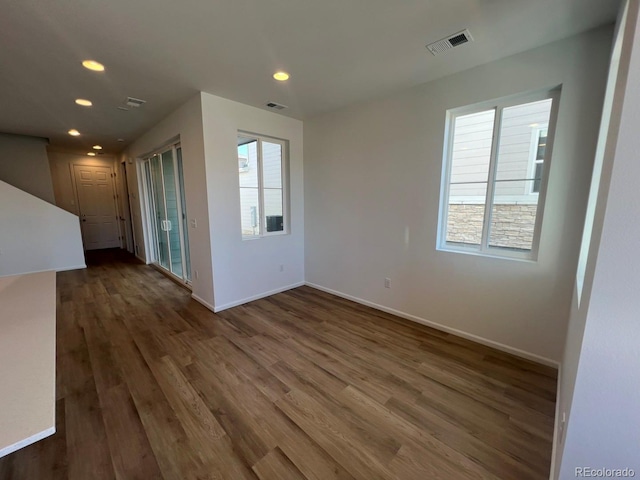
[451, 41]
[135, 102]
[276, 106]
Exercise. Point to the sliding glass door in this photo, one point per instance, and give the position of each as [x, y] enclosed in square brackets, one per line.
[167, 212]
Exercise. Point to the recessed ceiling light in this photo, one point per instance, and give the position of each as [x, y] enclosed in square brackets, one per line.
[92, 154]
[97, 147]
[281, 76]
[93, 65]
[83, 102]
[73, 132]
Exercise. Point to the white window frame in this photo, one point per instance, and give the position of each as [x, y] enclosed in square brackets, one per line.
[498, 105]
[146, 187]
[262, 219]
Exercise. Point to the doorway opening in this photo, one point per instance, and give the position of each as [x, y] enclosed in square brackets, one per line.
[166, 212]
[96, 197]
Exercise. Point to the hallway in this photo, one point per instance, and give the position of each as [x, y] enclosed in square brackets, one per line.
[150, 384]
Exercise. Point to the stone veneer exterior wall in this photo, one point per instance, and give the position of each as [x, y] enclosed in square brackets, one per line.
[512, 225]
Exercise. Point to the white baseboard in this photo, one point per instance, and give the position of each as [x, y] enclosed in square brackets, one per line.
[203, 302]
[65, 269]
[27, 441]
[459, 333]
[254, 297]
[75, 267]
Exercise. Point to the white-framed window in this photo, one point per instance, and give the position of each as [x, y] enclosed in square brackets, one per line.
[262, 173]
[495, 169]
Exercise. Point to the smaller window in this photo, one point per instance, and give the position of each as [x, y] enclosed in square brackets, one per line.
[262, 181]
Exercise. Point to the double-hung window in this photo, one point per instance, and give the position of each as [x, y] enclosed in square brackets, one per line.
[262, 176]
[495, 172]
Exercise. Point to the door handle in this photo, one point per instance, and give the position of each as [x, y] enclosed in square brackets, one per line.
[165, 225]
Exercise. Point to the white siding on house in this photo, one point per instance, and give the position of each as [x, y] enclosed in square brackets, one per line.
[472, 149]
[518, 139]
[470, 157]
[249, 189]
[272, 178]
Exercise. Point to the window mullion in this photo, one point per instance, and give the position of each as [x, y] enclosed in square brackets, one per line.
[261, 221]
[493, 164]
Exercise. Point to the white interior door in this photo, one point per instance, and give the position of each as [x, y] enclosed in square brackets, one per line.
[96, 201]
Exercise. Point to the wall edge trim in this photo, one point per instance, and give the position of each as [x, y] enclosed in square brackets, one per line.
[27, 441]
[203, 302]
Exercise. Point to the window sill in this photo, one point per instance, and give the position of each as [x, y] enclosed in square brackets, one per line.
[268, 235]
[526, 258]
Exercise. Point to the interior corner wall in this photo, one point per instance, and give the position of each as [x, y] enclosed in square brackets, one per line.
[249, 269]
[603, 395]
[61, 165]
[372, 187]
[24, 164]
[186, 124]
[612, 108]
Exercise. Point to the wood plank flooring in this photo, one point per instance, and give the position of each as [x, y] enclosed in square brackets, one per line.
[300, 385]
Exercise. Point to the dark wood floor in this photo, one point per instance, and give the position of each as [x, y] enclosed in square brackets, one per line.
[303, 384]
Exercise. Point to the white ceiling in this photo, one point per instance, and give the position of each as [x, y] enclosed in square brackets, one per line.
[164, 51]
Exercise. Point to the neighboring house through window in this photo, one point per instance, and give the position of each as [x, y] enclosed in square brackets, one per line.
[538, 150]
[494, 175]
[262, 180]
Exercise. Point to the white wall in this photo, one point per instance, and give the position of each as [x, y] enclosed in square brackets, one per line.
[229, 270]
[614, 98]
[372, 185]
[246, 269]
[185, 123]
[35, 235]
[24, 164]
[27, 359]
[603, 430]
